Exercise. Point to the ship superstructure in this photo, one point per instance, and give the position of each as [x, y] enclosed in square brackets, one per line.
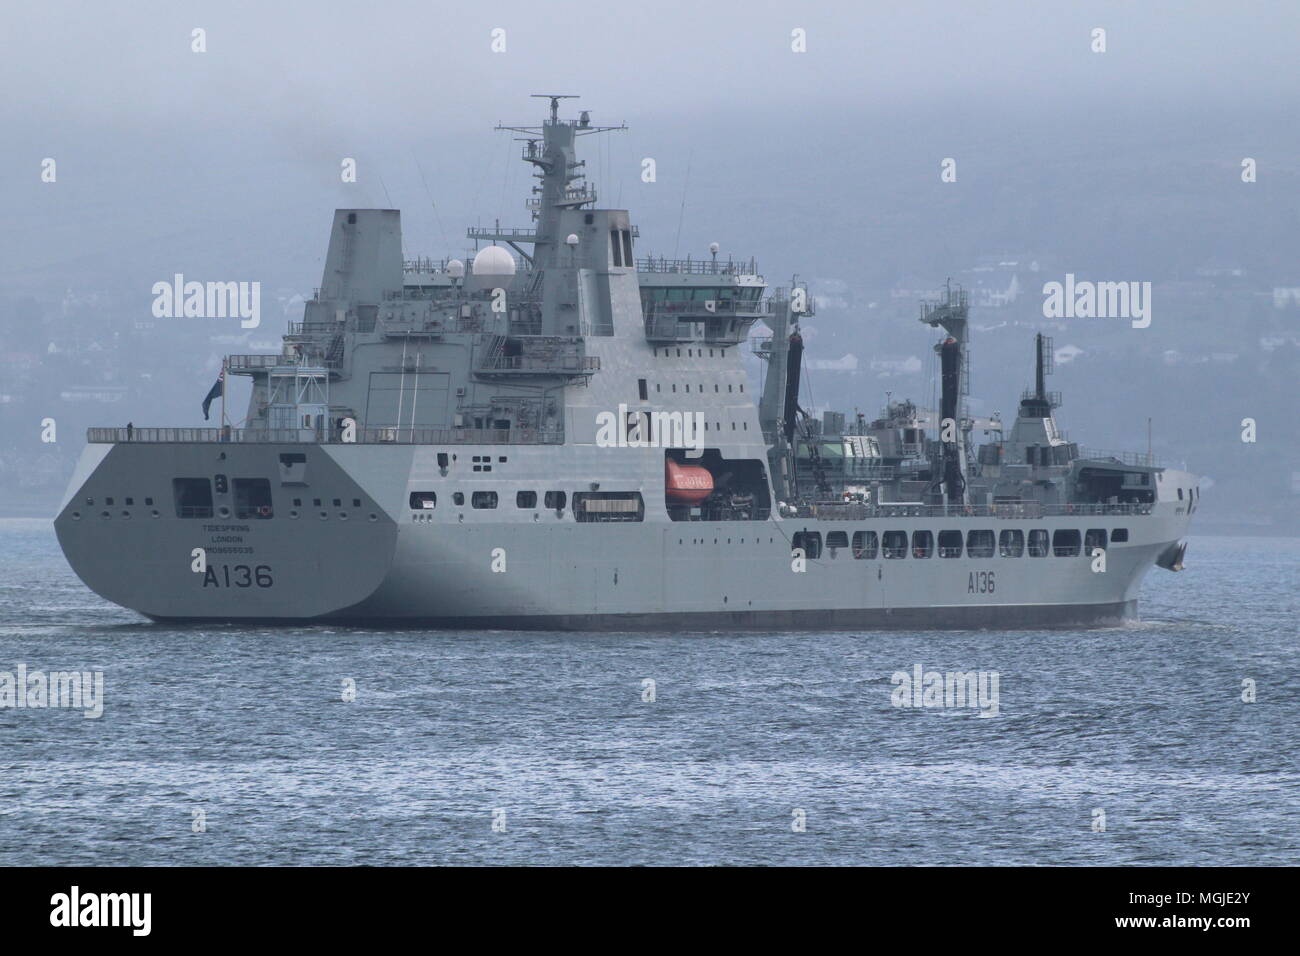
[560, 432]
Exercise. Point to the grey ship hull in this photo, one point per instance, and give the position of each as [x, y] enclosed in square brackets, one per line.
[372, 558]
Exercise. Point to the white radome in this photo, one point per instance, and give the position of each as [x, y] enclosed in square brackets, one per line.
[494, 261]
[455, 268]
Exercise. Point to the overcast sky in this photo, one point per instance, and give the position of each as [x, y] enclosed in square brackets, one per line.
[230, 158]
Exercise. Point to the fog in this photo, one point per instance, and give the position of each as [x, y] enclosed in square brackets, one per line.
[1117, 165]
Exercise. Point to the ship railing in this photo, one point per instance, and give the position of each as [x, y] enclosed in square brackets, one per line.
[236, 362]
[852, 511]
[689, 266]
[720, 329]
[363, 436]
[313, 328]
[570, 364]
[482, 232]
[425, 264]
[1030, 395]
[1124, 457]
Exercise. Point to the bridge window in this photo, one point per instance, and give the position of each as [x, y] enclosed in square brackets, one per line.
[979, 544]
[1118, 534]
[1038, 545]
[1094, 538]
[526, 499]
[458, 498]
[810, 542]
[421, 500]
[1065, 543]
[555, 500]
[922, 544]
[483, 499]
[950, 544]
[865, 544]
[252, 498]
[1011, 544]
[193, 497]
[895, 544]
[837, 539]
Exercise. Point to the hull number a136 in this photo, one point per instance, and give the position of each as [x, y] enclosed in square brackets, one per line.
[238, 576]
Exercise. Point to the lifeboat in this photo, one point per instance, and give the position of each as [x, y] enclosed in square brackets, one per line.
[686, 484]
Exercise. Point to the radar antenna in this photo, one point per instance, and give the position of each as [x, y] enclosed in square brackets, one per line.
[555, 101]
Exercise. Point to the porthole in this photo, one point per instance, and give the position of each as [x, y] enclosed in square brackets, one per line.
[223, 511]
[293, 514]
[126, 514]
[323, 516]
[155, 513]
[343, 516]
[373, 516]
[103, 514]
[76, 516]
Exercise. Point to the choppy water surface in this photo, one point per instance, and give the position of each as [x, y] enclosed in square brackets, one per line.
[1144, 722]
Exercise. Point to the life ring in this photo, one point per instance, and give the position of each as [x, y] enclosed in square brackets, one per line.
[264, 511]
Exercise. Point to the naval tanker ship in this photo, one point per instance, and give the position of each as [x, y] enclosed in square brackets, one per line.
[560, 433]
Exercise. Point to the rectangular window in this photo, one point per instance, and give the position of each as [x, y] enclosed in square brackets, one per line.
[616, 246]
[253, 498]
[1118, 534]
[895, 544]
[950, 544]
[1038, 546]
[423, 500]
[193, 497]
[1093, 538]
[1011, 544]
[1065, 543]
[483, 499]
[865, 545]
[979, 544]
[922, 544]
[555, 500]
[837, 539]
[627, 248]
[526, 499]
[642, 390]
[608, 506]
[810, 542]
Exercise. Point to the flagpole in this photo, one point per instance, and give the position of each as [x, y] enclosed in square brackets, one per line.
[223, 391]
